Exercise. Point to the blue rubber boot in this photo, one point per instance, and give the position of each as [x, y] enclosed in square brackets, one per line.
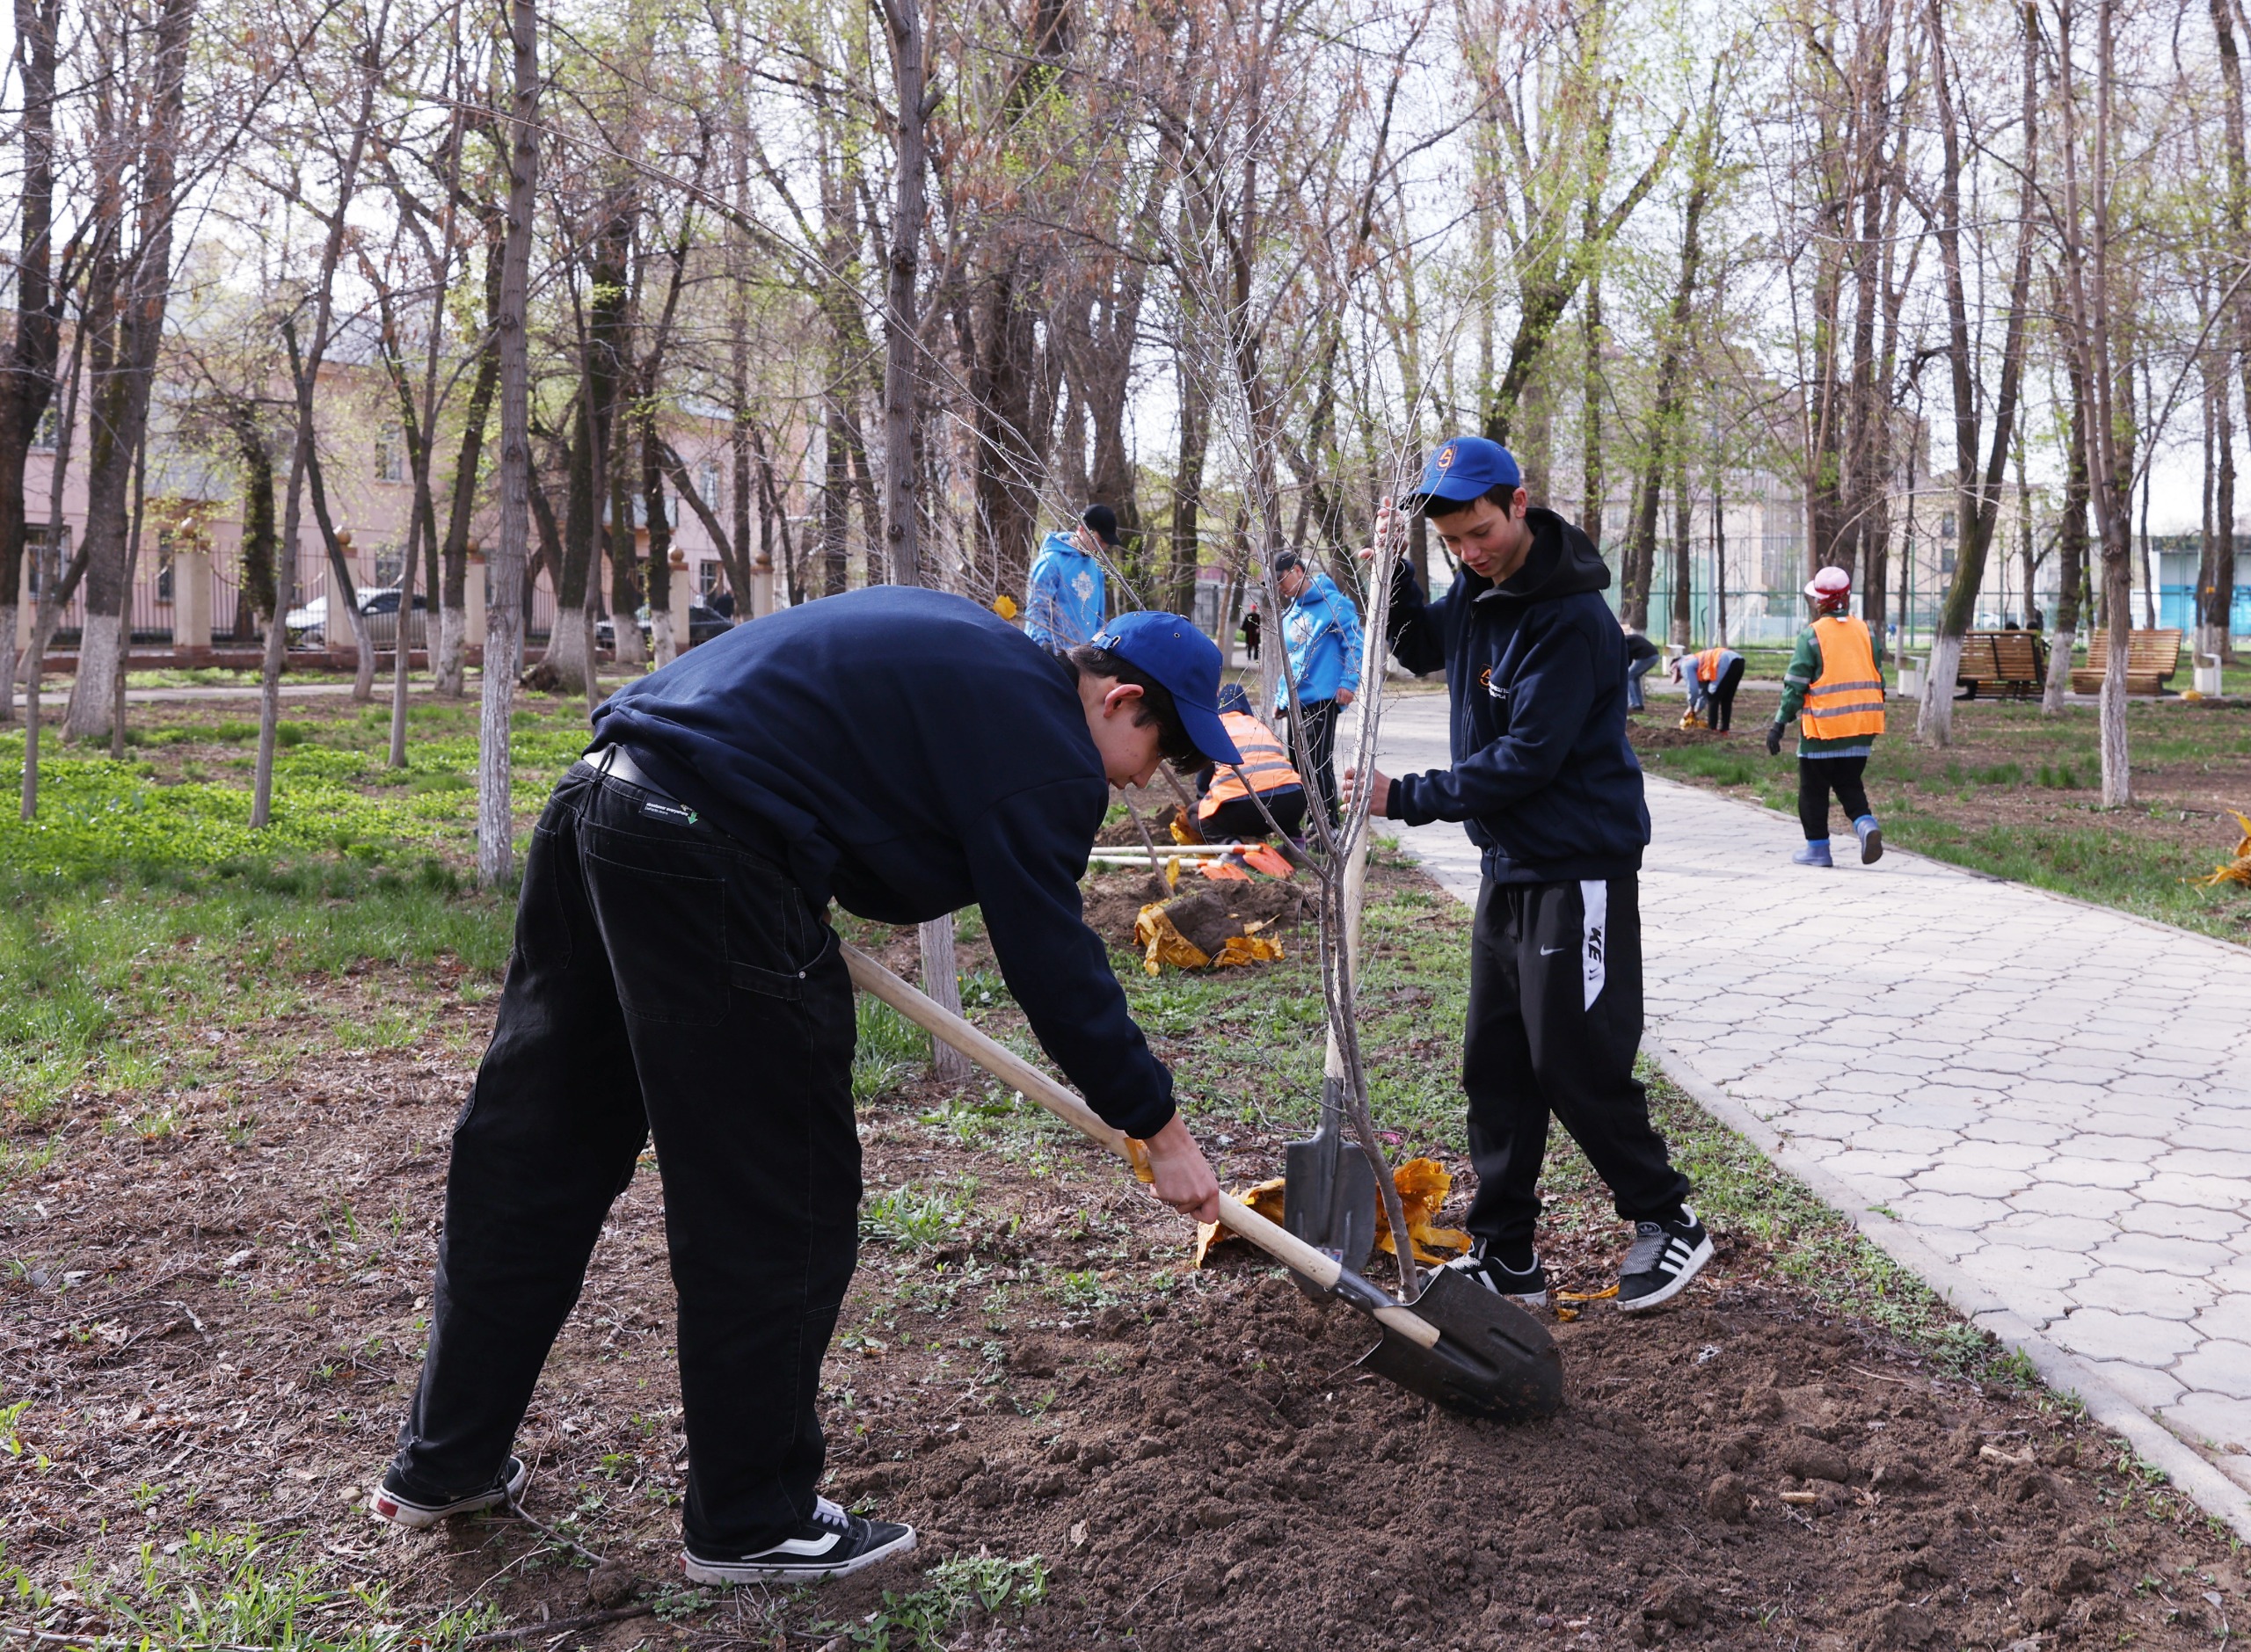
[1871, 837]
[1814, 854]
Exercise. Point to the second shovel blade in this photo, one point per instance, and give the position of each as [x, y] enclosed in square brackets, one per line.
[1493, 1359]
[1329, 1192]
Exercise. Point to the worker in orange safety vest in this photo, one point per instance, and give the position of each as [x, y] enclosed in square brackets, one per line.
[1226, 809]
[1711, 677]
[1834, 688]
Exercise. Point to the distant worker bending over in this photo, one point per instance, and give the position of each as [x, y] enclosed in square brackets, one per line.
[1711, 679]
[1228, 810]
[1064, 593]
[1834, 686]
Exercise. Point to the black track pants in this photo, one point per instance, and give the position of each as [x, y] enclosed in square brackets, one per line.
[1723, 695]
[1816, 778]
[1239, 816]
[1555, 1021]
[665, 980]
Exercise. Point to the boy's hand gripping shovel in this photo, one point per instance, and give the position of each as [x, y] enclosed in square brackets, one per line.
[1460, 1345]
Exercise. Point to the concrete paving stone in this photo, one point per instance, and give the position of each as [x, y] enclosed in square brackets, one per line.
[2202, 1415]
[1980, 1181]
[1882, 1136]
[1996, 1156]
[2204, 1162]
[2143, 1123]
[2046, 1267]
[2207, 1192]
[2146, 1388]
[1949, 1209]
[2142, 1152]
[2012, 1127]
[2108, 1333]
[2046, 1086]
[2168, 1296]
[2063, 1172]
[2228, 1318]
[2224, 1229]
[1856, 1162]
[2050, 1198]
[2161, 1252]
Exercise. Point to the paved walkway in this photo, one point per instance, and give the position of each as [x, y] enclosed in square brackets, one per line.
[2043, 1107]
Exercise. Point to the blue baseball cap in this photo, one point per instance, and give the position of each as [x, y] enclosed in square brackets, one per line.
[1172, 649]
[1467, 467]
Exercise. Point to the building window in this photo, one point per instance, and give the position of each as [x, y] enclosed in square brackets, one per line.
[390, 455]
[39, 541]
[707, 482]
[389, 566]
[50, 424]
[707, 578]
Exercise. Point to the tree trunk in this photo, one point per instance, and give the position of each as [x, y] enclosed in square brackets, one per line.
[2238, 227]
[1188, 485]
[504, 619]
[448, 671]
[343, 592]
[2071, 554]
[1683, 563]
[665, 645]
[1593, 485]
[28, 389]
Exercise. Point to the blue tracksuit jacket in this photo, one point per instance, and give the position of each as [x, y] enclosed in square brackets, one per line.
[1062, 595]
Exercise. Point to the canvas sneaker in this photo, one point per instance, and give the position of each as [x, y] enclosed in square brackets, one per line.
[1528, 1289]
[391, 1504]
[1665, 1257]
[832, 1543]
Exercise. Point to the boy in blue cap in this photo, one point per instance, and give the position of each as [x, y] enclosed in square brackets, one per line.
[1544, 782]
[907, 752]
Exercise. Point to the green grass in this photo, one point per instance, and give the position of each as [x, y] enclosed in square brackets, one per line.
[923, 1621]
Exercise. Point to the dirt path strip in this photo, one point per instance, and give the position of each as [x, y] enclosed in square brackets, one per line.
[2041, 1107]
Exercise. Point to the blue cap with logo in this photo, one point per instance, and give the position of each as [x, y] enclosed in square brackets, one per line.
[1467, 467]
[1172, 649]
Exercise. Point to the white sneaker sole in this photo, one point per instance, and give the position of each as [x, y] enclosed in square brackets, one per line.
[1673, 1287]
[725, 1572]
[413, 1517]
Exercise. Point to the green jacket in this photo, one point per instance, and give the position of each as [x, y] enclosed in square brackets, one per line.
[1804, 671]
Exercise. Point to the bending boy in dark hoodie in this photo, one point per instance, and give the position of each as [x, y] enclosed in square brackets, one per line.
[1544, 782]
[675, 975]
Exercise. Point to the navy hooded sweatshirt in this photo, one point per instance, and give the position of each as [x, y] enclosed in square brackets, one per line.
[909, 753]
[1543, 779]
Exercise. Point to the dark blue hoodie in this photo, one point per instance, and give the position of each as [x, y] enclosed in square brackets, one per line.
[1543, 779]
[910, 753]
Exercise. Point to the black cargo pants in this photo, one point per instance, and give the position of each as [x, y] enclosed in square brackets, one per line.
[665, 980]
[1555, 1022]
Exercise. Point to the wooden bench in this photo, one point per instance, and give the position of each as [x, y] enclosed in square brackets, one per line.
[2011, 662]
[2152, 658]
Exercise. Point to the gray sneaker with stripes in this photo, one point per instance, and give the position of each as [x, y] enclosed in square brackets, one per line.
[1665, 1256]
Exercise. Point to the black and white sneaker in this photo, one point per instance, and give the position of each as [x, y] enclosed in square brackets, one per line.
[1528, 1289]
[415, 1513]
[832, 1543]
[1665, 1256]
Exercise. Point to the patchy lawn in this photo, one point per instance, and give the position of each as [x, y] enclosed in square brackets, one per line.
[217, 1213]
[2017, 795]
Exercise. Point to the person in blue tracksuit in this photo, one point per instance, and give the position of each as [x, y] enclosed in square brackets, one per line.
[1321, 641]
[1064, 593]
[1547, 786]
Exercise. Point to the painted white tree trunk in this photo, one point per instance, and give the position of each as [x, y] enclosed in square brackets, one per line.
[1934, 722]
[2117, 768]
[630, 654]
[2060, 644]
[567, 646]
[666, 645]
[363, 674]
[93, 695]
[448, 678]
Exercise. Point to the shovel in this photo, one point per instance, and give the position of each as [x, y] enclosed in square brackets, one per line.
[1328, 1198]
[1460, 1345]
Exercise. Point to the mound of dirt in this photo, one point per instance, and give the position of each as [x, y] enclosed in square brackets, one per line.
[1112, 900]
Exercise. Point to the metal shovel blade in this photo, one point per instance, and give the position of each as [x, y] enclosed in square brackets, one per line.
[1329, 1190]
[1493, 1359]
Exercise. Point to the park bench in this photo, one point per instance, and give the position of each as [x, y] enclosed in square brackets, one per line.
[2012, 663]
[2152, 658]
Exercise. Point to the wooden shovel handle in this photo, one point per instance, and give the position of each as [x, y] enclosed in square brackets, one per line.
[1012, 1069]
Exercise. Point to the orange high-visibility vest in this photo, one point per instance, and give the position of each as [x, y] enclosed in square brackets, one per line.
[1848, 698]
[1265, 764]
[1708, 665]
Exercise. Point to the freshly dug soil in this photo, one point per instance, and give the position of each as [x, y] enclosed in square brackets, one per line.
[1112, 900]
[233, 1307]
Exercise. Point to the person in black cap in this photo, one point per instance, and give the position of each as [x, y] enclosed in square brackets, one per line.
[1547, 786]
[903, 751]
[1065, 591]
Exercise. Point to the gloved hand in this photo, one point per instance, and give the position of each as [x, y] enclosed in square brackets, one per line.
[1773, 740]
